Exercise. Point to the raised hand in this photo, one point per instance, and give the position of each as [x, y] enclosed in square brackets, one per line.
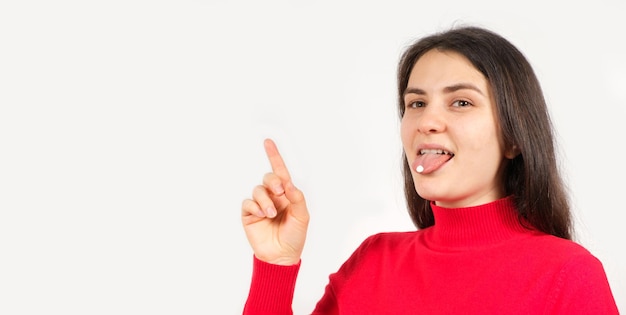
[276, 218]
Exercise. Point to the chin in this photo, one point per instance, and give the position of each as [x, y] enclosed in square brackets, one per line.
[431, 194]
[443, 199]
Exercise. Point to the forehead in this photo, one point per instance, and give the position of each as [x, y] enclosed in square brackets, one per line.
[437, 69]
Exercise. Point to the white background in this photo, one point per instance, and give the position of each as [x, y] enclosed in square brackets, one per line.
[130, 132]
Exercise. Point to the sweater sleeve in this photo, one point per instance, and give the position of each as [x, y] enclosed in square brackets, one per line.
[329, 303]
[582, 288]
[271, 289]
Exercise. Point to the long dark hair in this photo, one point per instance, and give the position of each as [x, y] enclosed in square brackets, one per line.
[532, 177]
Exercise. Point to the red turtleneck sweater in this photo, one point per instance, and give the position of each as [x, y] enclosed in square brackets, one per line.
[476, 260]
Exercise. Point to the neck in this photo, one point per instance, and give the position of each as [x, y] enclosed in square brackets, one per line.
[476, 226]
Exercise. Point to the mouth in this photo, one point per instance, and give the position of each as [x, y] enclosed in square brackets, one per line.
[430, 160]
[435, 151]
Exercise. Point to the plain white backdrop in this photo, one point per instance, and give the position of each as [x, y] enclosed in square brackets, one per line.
[130, 132]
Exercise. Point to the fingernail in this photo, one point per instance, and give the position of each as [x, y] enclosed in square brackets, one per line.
[260, 214]
[271, 212]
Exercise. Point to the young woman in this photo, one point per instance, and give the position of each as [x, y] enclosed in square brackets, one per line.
[482, 186]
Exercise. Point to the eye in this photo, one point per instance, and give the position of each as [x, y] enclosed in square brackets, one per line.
[461, 103]
[415, 104]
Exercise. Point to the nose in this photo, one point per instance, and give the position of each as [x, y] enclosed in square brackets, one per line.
[431, 119]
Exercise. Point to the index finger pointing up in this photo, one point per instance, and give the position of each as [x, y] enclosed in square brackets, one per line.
[296, 206]
[276, 161]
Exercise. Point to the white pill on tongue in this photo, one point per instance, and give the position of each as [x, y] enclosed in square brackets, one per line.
[429, 162]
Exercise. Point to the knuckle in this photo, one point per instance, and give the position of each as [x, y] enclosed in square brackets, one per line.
[258, 191]
[261, 195]
[249, 206]
[246, 204]
[271, 179]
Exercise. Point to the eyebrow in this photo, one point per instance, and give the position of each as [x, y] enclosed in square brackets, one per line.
[447, 89]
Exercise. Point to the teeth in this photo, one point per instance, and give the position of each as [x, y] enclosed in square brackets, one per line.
[434, 151]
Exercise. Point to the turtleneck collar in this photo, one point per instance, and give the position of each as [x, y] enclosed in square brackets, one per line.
[477, 226]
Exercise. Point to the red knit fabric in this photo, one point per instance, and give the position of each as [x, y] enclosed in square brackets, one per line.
[476, 260]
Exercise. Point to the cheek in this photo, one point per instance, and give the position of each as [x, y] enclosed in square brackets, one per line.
[489, 152]
[486, 138]
[405, 132]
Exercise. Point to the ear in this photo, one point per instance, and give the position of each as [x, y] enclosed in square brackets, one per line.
[512, 152]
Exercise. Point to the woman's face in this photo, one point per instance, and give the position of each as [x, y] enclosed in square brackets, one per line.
[450, 134]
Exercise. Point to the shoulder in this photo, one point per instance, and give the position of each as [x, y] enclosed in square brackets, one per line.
[386, 243]
[390, 239]
[571, 255]
[580, 284]
[377, 249]
[557, 248]
[560, 257]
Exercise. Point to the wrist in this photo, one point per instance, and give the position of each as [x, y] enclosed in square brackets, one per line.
[280, 261]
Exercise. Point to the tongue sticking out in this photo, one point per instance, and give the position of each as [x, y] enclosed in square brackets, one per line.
[429, 162]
